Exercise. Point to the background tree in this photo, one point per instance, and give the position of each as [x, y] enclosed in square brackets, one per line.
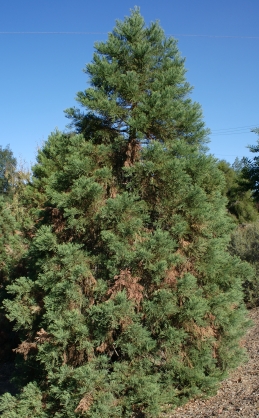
[130, 301]
[7, 170]
[245, 244]
[241, 203]
[244, 210]
[251, 169]
[15, 223]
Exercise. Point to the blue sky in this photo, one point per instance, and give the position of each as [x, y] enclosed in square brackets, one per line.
[40, 74]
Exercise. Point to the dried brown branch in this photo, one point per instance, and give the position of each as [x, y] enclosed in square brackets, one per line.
[85, 403]
[125, 281]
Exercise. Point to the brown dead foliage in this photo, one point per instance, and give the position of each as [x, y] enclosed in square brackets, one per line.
[202, 333]
[85, 403]
[57, 219]
[198, 227]
[102, 347]
[125, 281]
[171, 277]
[35, 309]
[211, 316]
[113, 192]
[125, 322]
[87, 284]
[42, 336]
[25, 347]
[188, 262]
[188, 267]
[108, 344]
[8, 249]
[184, 243]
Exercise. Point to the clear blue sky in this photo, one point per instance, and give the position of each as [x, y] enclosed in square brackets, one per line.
[40, 74]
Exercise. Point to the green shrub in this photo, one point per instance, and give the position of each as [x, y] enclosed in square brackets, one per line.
[245, 244]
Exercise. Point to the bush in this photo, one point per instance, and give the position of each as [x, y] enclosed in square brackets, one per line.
[245, 244]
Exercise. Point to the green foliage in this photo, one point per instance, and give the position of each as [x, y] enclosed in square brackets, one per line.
[129, 300]
[245, 244]
[12, 249]
[251, 169]
[241, 204]
[9, 238]
[138, 91]
[7, 170]
[14, 222]
[29, 404]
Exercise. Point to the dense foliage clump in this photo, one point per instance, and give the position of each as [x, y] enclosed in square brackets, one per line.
[129, 300]
[7, 169]
[244, 243]
[13, 246]
[241, 191]
[250, 169]
[241, 203]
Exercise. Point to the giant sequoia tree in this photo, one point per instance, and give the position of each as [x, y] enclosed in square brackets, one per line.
[130, 300]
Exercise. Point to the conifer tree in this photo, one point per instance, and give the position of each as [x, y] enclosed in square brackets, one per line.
[245, 244]
[7, 170]
[241, 204]
[13, 221]
[130, 301]
[251, 169]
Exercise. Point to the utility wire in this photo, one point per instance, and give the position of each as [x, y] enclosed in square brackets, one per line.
[105, 33]
[217, 132]
[229, 155]
[51, 33]
[239, 130]
[236, 128]
[231, 133]
[216, 36]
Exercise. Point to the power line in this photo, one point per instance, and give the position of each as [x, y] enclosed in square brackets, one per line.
[105, 33]
[52, 33]
[236, 128]
[239, 130]
[230, 133]
[229, 155]
[216, 36]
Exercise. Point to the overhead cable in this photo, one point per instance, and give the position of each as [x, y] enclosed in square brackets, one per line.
[105, 33]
